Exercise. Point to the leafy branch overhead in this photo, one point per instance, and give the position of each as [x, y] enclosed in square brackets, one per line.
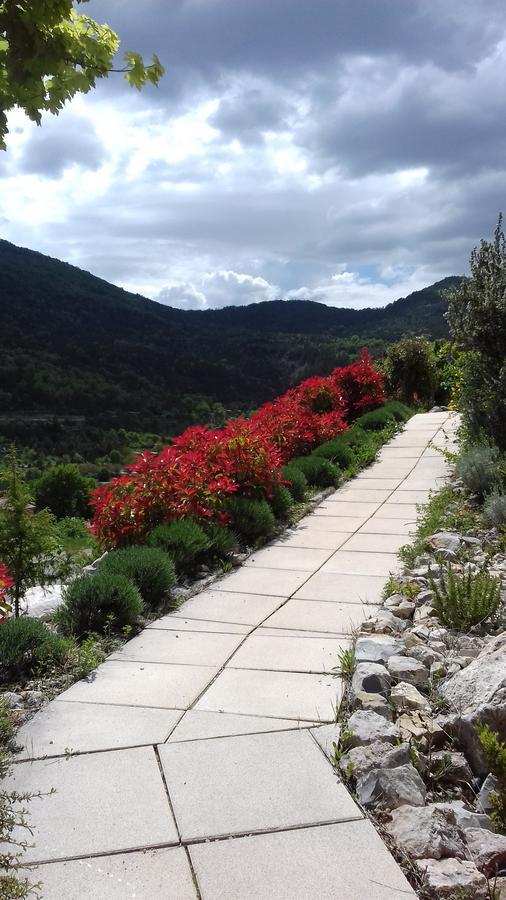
[49, 53]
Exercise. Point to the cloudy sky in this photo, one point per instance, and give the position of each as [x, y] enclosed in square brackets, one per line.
[348, 151]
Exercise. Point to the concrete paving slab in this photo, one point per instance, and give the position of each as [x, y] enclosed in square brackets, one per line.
[143, 875]
[321, 615]
[341, 587]
[379, 525]
[405, 495]
[348, 562]
[63, 727]
[289, 652]
[369, 484]
[257, 580]
[226, 607]
[343, 508]
[389, 469]
[333, 862]
[327, 738]
[172, 622]
[142, 684]
[414, 438]
[88, 811]
[362, 495]
[339, 524]
[281, 557]
[195, 648]
[254, 782]
[375, 543]
[405, 512]
[283, 695]
[392, 453]
[198, 724]
[313, 538]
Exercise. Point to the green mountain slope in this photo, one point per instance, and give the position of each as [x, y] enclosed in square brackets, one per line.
[74, 344]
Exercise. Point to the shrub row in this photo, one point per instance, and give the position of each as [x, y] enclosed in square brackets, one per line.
[202, 469]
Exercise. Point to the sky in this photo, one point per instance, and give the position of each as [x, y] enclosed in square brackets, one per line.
[345, 151]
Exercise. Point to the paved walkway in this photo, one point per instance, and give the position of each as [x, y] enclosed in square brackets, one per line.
[193, 764]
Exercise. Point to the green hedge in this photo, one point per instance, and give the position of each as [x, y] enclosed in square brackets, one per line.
[297, 482]
[250, 518]
[319, 472]
[184, 539]
[28, 648]
[95, 603]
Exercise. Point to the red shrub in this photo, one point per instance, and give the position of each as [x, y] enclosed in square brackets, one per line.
[5, 583]
[202, 467]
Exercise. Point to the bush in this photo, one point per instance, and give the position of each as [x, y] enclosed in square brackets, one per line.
[411, 370]
[150, 569]
[355, 437]
[297, 482]
[336, 451]
[479, 469]
[461, 601]
[184, 539]
[494, 509]
[398, 411]
[27, 647]
[281, 501]
[318, 472]
[252, 519]
[95, 603]
[495, 754]
[64, 491]
[223, 541]
[477, 320]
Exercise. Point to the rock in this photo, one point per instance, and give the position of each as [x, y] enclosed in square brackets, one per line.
[483, 801]
[430, 833]
[445, 540]
[11, 699]
[424, 596]
[375, 702]
[403, 609]
[376, 648]
[367, 727]
[371, 678]
[407, 668]
[478, 694]
[453, 878]
[451, 767]
[374, 756]
[488, 850]
[420, 727]
[390, 788]
[424, 654]
[466, 818]
[438, 670]
[423, 612]
[499, 886]
[384, 623]
[406, 696]
[33, 698]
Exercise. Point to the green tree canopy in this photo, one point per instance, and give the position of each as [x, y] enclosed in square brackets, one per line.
[49, 53]
[64, 491]
[410, 369]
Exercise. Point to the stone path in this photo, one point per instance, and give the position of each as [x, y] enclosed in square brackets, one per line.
[194, 763]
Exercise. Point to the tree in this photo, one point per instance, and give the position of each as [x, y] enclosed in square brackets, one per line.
[49, 53]
[28, 544]
[411, 370]
[477, 319]
[64, 491]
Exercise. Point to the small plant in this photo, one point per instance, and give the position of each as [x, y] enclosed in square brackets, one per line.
[252, 519]
[184, 539]
[494, 509]
[223, 541]
[296, 482]
[479, 469]
[150, 569]
[281, 501]
[93, 602]
[495, 753]
[394, 586]
[336, 451]
[461, 601]
[318, 472]
[27, 647]
[346, 663]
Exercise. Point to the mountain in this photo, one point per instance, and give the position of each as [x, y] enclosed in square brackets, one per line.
[75, 345]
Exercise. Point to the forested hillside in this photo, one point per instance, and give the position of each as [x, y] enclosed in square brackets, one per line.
[75, 345]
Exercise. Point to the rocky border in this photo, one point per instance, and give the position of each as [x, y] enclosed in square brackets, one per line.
[408, 745]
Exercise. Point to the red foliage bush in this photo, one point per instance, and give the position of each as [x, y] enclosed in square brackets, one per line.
[5, 583]
[202, 467]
